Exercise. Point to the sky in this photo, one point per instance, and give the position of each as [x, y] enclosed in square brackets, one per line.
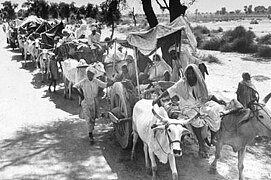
[201, 5]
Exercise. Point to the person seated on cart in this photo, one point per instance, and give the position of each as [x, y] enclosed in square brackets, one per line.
[124, 75]
[87, 89]
[126, 79]
[158, 70]
[195, 99]
[94, 39]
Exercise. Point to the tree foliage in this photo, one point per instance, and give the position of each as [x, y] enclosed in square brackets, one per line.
[39, 8]
[64, 10]
[110, 13]
[53, 10]
[8, 10]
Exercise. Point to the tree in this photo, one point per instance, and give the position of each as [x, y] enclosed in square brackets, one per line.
[64, 10]
[53, 10]
[249, 9]
[8, 10]
[39, 8]
[260, 9]
[237, 11]
[92, 11]
[110, 13]
[82, 10]
[223, 11]
[269, 10]
[73, 8]
[245, 9]
[150, 15]
[43, 9]
[133, 15]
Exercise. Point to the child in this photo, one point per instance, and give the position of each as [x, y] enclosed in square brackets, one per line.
[246, 91]
[90, 106]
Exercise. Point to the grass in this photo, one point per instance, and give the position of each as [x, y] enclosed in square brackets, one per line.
[264, 51]
[211, 59]
[266, 39]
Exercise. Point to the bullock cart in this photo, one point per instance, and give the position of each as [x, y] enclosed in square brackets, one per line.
[147, 42]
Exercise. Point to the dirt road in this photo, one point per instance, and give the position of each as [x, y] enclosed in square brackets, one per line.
[42, 137]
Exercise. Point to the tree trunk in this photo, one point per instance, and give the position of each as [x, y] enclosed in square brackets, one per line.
[134, 17]
[176, 9]
[148, 10]
[113, 28]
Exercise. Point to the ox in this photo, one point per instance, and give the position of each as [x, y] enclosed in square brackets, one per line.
[239, 127]
[43, 60]
[74, 71]
[31, 47]
[160, 134]
[21, 41]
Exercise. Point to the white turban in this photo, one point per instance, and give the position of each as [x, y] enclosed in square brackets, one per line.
[91, 69]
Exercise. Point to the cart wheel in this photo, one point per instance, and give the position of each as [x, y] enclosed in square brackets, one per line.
[123, 129]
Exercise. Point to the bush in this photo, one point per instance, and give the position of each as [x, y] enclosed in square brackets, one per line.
[211, 59]
[238, 40]
[226, 48]
[201, 30]
[242, 45]
[264, 51]
[254, 21]
[265, 39]
[212, 44]
[217, 30]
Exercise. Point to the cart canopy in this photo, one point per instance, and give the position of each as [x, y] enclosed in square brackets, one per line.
[148, 41]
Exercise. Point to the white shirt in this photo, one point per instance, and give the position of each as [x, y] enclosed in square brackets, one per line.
[90, 88]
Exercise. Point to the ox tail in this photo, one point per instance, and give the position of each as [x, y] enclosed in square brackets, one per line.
[266, 98]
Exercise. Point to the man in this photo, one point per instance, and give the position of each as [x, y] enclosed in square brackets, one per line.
[246, 91]
[90, 107]
[193, 99]
[94, 38]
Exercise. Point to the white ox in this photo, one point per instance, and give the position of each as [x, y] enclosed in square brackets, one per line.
[43, 59]
[72, 73]
[21, 41]
[31, 47]
[160, 134]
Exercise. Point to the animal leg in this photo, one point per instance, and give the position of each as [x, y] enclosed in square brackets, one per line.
[70, 90]
[218, 149]
[65, 87]
[54, 85]
[153, 164]
[147, 161]
[135, 137]
[241, 156]
[172, 165]
[49, 88]
[202, 149]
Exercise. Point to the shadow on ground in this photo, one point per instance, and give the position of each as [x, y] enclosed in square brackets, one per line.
[189, 166]
[67, 105]
[60, 150]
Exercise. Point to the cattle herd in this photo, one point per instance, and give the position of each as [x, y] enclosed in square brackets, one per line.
[57, 49]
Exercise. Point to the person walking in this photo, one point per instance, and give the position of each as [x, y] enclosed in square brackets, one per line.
[87, 89]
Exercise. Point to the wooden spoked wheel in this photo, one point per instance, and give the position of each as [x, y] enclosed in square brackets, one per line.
[121, 105]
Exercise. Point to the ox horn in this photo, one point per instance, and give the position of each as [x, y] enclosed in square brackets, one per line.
[266, 98]
[185, 122]
[158, 116]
